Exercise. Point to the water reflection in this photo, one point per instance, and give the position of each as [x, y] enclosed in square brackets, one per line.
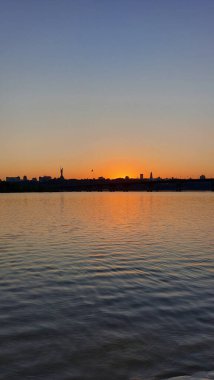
[106, 285]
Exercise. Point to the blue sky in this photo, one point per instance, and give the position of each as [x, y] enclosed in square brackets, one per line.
[119, 86]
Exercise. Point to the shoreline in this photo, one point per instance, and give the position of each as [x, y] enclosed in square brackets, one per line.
[105, 185]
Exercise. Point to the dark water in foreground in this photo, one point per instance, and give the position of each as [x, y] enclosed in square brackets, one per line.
[106, 286]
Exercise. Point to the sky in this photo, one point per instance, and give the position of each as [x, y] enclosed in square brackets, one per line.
[122, 87]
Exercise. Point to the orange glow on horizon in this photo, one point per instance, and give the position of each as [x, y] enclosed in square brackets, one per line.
[111, 173]
[113, 168]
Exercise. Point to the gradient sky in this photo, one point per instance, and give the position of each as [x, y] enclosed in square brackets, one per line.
[120, 86]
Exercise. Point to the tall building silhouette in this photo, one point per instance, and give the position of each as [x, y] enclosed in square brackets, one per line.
[61, 173]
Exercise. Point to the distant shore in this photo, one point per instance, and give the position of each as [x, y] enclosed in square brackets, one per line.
[58, 185]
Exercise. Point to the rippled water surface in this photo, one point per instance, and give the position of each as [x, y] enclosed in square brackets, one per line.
[106, 286]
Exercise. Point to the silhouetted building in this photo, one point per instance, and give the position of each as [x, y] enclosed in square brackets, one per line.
[25, 178]
[151, 176]
[12, 179]
[34, 179]
[202, 176]
[45, 178]
[61, 173]
[141, 176]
